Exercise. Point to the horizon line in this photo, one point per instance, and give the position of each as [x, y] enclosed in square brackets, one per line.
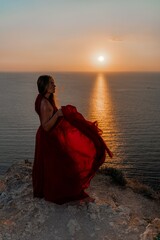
[68, 71]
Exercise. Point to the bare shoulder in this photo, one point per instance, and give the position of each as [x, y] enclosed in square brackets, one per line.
[46, 106]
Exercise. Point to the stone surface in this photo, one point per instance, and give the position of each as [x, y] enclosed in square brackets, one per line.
[117, 213]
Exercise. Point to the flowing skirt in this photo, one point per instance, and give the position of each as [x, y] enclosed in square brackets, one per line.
[67, 157]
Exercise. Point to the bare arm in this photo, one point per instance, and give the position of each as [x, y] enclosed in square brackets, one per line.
[46, 118]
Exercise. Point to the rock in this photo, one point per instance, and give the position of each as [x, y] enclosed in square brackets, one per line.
[117, 213]
[2, 186]
[73, 226]
[152, 230]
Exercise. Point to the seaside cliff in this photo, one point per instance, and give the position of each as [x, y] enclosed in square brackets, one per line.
[118, 212]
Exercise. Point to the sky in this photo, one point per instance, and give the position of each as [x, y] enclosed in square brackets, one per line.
[71, 35]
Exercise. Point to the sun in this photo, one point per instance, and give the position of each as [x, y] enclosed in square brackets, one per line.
[101, 58]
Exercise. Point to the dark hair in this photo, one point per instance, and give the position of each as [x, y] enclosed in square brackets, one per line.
[42, 83]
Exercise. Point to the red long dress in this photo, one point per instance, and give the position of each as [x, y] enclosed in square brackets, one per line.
[67, 156]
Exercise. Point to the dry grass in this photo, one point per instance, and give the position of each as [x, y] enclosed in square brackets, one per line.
[119, 179]
[116, 175]
[157, 237]
[143, 189]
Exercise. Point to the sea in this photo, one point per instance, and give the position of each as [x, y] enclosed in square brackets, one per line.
[125, 105]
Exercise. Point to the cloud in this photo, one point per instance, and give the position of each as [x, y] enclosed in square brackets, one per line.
[116, 39]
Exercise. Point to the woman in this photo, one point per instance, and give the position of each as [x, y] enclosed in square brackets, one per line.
[68, 151]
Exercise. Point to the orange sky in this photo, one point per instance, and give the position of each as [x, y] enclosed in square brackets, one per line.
[70, 35]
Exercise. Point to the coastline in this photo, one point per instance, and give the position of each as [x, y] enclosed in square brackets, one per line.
[118, 212]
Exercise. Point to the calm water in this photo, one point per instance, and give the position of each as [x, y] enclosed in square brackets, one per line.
[125, 105]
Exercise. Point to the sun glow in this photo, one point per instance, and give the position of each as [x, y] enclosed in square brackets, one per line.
[101, 58]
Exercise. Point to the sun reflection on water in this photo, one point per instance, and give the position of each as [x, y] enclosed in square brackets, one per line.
[101, 110]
